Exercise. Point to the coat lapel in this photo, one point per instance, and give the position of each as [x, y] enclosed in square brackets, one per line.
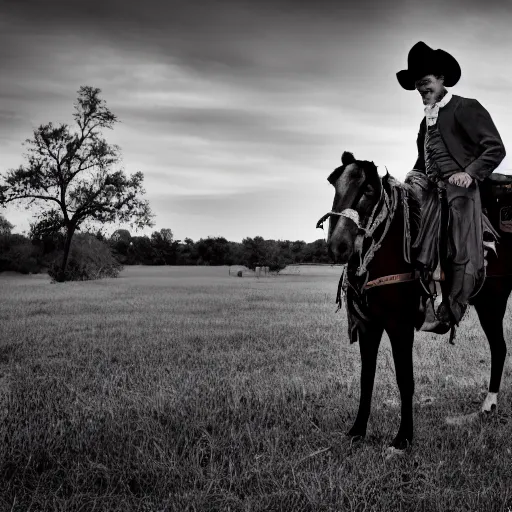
[445, 125]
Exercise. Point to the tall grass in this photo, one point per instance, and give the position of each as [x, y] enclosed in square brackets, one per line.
[184, 389]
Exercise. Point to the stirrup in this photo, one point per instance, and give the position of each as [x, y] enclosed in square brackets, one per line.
[432, 296]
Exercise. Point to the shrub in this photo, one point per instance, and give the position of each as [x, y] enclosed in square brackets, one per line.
[89, 258]
[18, 254]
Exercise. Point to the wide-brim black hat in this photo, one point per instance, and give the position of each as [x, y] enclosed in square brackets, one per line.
[423, 60]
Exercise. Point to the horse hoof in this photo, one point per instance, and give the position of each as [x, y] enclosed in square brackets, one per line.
[391, 452]
[401, 443]
[490, 404]
[492, 410]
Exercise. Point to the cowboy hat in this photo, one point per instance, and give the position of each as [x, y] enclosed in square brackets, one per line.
[423, 60]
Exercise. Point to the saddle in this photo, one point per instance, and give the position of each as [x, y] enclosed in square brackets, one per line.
[496, 196]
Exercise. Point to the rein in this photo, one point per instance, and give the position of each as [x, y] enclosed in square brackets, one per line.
[386, 214]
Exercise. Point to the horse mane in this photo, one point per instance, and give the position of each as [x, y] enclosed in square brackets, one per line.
[413, 200]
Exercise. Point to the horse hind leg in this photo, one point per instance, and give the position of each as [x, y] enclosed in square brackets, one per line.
[490, 305]
[368, 347]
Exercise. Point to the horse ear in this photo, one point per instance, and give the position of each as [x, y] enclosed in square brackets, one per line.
[347, 158]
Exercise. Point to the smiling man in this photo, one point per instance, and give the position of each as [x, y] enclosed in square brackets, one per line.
[458, 147]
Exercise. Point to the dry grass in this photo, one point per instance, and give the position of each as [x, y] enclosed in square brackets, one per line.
[183, 389]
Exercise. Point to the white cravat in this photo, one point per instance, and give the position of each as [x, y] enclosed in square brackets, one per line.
[432, 111]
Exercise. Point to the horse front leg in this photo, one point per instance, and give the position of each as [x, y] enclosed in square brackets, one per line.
[401, 337]
[490, 305]
[368, 347]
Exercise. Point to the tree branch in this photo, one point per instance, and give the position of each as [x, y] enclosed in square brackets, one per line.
[32, 196]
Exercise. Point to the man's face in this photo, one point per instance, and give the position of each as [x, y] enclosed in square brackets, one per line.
[431, 88]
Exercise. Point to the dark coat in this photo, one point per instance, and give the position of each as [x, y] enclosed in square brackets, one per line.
[455, 238]
[469, 135]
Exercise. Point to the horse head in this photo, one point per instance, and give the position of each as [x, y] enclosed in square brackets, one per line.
[357, 190]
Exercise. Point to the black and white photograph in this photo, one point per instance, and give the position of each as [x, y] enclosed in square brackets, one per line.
[255, 255]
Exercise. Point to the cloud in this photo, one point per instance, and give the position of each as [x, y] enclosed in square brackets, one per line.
[237, 110]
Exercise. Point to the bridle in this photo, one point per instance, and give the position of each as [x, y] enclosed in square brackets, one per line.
[367, 231]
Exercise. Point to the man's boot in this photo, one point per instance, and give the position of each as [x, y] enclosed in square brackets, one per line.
[454, 305]
[432, 322]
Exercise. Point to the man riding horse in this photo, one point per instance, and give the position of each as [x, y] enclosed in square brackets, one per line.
[458, 147]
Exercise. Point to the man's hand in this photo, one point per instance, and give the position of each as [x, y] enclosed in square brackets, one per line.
[461, 179]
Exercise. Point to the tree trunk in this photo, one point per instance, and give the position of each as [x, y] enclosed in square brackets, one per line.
[67, 245]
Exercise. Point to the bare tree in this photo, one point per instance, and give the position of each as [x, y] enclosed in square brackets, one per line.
[73, 175]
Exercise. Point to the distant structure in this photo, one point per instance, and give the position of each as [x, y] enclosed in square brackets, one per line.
[297, 269]
[262, 271]
[243, 271]
[240, 271]
[311, 269]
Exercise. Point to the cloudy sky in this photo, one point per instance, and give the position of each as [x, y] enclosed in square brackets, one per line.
[236, 111]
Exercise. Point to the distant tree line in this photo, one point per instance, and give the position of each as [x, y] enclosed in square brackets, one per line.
[40, 249]
[161, 249]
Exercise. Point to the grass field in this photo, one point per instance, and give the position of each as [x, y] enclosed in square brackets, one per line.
[184, 389]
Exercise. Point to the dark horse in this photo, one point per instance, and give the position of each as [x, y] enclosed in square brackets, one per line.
[372, 224]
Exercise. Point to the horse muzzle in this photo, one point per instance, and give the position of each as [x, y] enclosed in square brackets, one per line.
[345, 237]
